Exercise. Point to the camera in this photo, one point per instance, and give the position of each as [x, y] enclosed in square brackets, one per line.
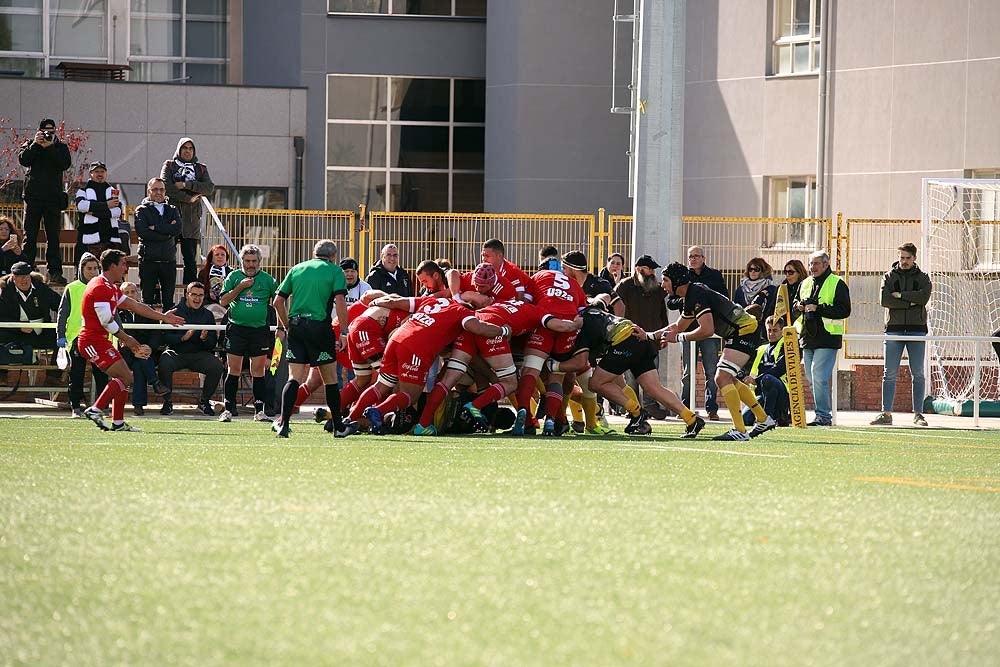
[49, 135]
[810, 301]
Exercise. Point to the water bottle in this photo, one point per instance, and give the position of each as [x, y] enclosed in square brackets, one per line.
[62, 359]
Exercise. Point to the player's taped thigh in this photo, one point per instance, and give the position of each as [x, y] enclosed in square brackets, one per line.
[533, 362]
[583, 380]
[505, 372]
[363, 370]
[730, 368]
[454, 364]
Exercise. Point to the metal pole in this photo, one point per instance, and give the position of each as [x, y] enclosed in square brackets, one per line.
[975, 386]
[833, 388]
[693, 373]
[824, 33]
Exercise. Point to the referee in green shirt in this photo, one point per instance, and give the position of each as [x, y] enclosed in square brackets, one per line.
[247, 292]
[313, 288]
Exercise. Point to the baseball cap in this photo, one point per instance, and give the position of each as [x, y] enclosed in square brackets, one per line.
[21, 269]
[647, 261]
[97, 164]
[349, 264]
[575, 260]
[46, 122]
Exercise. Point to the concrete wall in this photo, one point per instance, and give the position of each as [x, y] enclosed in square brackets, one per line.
[551, 143]
[242, 134]
[911, 88]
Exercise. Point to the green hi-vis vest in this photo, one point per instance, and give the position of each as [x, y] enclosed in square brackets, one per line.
[75, 320]
[778, 354]
[826, 294]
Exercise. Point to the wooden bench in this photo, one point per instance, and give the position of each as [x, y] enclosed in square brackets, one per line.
[27, 378]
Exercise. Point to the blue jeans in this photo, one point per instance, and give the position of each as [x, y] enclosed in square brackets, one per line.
[819, 371]
[143, 373]
[709, 350]
[773, 397]
[893, 356]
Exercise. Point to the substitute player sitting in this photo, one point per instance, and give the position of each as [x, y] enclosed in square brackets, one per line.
[717, 315]
[101, 300]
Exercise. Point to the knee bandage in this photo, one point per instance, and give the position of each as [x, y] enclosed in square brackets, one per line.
[726, 366]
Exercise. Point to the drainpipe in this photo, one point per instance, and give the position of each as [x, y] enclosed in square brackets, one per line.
[825, 37]
[300, 148]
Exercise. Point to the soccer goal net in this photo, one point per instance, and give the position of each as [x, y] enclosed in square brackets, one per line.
[961, 227]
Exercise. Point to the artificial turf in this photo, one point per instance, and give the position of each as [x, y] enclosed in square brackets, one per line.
[205, 544]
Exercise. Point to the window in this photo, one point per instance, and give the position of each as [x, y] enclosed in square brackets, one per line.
[475, 8]
[797, 38]
[179, 40]
[793, 197]
[405, 143]
[169, 40]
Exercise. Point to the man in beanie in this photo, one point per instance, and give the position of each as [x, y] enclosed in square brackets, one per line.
[46, 158]
[356, 287]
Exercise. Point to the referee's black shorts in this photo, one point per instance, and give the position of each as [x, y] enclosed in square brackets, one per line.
[632, 354]
[248, 341]
[310, 342]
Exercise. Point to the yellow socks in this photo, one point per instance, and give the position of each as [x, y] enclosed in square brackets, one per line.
[687, 416]
[750, 400]
[589, 405]
[731, 395]
[576, 410]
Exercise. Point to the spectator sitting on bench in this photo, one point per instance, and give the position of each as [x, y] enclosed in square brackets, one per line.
[24, 297]
[11, 248]
[191, 349]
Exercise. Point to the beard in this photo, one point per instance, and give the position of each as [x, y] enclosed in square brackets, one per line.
[647, 283]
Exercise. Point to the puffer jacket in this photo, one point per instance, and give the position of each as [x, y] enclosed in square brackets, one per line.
[909, 311]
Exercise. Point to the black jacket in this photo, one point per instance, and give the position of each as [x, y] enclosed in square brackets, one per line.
[41, 305]
[712, 279]
[96, 221]
[909, 311]
[814, 334]
[593, 286]
[381, 279]
[606, 275]
[45, 167]
[193, 344]
[157, 233]
[9, 258]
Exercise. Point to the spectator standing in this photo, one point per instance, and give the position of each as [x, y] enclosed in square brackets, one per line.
[142, 367]
[193, 350]
[99, 211]
[356, 287]
[69, 321]
[11, 250]
[314, 286]
[388, 276]
[246, 294]
[905, 293]
[757, 293]
[46, 157]
[24, 297]
[158, 224]
[187, 181]
[825, 304]
[795, 272]
[708, 348]
[212, 276]
[614, 270]
[642, 300]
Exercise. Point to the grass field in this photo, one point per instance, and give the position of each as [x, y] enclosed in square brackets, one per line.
[201, 543]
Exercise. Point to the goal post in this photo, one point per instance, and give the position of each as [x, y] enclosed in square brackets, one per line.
[960, 222]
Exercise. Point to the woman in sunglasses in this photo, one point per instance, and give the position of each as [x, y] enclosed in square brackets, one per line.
[795, 272]
[757, 293]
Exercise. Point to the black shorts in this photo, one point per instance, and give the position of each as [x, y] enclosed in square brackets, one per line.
[633, 354]
[310, 342]
[746, 344]
[248, 341]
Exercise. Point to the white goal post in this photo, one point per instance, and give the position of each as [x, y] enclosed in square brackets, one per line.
[961, 253]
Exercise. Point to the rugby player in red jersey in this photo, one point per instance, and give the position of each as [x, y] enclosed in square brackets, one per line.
[411, 351]
[484, 280]
[521, 318]
[101, 300]
[493, 252]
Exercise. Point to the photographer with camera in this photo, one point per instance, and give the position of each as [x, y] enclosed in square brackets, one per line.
[825, 303]
[46, 158]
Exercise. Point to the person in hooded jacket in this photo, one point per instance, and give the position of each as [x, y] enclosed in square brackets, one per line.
[187, 181]
[387, 275]
[158, 224]
[905, 293]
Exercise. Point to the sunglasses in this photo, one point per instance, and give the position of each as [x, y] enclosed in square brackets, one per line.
[755, 269]
[790, 272]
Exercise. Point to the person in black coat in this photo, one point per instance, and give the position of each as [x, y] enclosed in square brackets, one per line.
[46, 158]
[24, 297]
[191, 349]
[387, 275]
[158, 224]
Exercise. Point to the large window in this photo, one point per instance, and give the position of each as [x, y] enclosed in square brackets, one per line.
[169, 40]
[405, 144]
[36, 35]
[796, 37]
[179, 40]
[411, 7]
[793, 197]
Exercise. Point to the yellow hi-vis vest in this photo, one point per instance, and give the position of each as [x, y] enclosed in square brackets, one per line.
[75, 320]
[779, 352]
[826, 294]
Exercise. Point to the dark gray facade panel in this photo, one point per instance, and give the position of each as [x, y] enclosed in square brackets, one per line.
[271, 43]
